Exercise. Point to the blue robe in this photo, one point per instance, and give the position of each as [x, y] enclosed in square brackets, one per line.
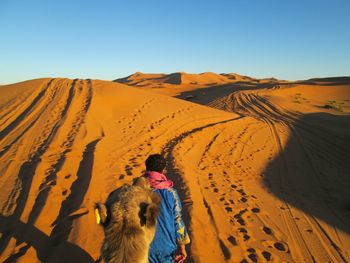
[170, 230]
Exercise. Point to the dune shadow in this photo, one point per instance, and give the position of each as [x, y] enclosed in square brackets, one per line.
[41, 242]
[26, 232]
[78, 190]
[331, 81]
[312, 172]
[205, 95]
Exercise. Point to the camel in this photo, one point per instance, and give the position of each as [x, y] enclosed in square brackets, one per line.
[129, 219]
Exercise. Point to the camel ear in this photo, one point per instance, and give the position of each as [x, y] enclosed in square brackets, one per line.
[152, 212]
[141, 182]
[148, 214]
[100, 213]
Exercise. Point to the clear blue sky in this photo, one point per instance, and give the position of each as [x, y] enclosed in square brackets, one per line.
[110, 39]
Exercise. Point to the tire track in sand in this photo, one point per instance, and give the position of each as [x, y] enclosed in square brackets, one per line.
[267, 113]
[183, 189]
[26, 124]
[18, 197]
[51, 172]
[27, 170]
[23, 115]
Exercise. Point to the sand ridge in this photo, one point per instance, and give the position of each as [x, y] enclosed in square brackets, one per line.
[261, 170]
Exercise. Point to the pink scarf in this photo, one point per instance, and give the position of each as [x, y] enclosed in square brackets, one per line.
[158, 180]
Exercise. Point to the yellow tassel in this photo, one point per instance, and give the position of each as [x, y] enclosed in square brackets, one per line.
[98, 217]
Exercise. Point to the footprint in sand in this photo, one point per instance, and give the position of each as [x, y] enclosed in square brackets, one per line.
[232, 240]
[241, 191]
[128, 169]
[244, 200]
[240, 220]
[228, 209]
[252, 256]
[242, 230]
[245, 233]
[281, 246]
[266, 255]
[267, 230]
[251, 250]
[255, 210]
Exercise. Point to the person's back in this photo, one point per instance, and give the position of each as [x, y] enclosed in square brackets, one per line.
[171, 234]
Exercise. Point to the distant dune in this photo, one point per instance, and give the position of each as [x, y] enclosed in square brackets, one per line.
[181, 78]
[261, 165]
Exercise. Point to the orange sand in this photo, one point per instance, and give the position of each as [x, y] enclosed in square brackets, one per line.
[263, 172]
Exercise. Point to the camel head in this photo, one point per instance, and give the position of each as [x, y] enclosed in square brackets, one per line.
[129, 219]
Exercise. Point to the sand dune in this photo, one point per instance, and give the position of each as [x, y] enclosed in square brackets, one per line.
[174, 83]
[262, 172]
[141, 79]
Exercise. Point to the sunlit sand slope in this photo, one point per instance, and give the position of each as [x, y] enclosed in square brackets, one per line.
[274, 182]
[262, 177]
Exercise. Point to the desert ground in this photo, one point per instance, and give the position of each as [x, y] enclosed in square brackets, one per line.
[262, 166]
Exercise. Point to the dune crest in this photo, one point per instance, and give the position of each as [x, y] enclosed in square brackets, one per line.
[181, 78]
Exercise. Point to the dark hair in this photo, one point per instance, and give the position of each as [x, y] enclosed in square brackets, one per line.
[155, 162]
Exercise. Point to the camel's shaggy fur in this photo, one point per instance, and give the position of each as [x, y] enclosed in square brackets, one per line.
[129, 221]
